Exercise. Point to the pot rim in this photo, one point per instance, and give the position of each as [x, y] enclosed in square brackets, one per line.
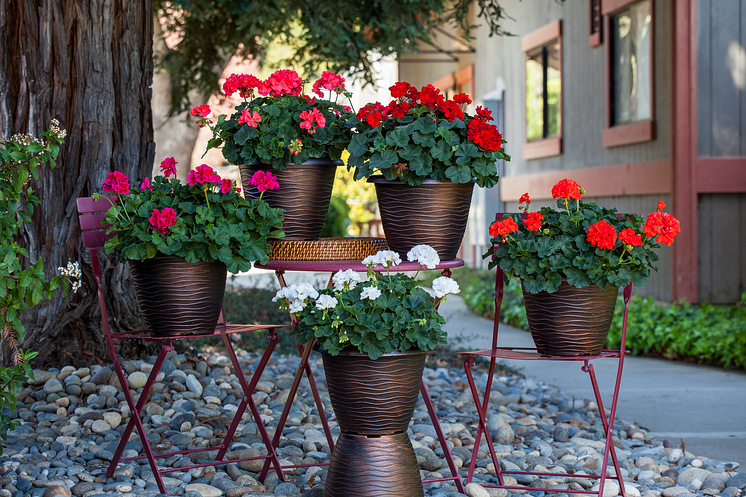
[353, 352]
[159, 255]
[382, 180]
[324, 160]
[564, 280]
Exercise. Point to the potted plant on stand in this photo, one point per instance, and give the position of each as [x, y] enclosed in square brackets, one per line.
[572, 261]
[373, 337]
[428, 153]
[299, 137]
[181, 239]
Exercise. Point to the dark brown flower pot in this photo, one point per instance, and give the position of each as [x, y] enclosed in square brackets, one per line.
[571, 321]
[304, 194]
[432, 213]
[178, 297]
[374, 402]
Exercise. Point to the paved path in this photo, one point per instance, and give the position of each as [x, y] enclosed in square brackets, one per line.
[703, 406]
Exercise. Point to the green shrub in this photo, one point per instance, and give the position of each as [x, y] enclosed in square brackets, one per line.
[337, 219]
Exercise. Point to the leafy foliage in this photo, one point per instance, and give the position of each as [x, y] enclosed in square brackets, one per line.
[209, 226]
[339, 35]
[23, 283]
[272, 141]
[422, 143]
[402, 318]
[560, 250]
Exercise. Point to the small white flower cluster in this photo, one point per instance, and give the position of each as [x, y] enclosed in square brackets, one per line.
[425, 255]
[24, 139]
[370, 292]
[72, 272]
[294, 297]
[386, 258]
[443, 286]
[54, 126]
[345, 280]
[326, 302]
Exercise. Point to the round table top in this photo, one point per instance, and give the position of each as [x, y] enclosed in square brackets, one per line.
[334, 266]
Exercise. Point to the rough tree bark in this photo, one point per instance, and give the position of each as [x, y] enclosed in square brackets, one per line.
[89, 64]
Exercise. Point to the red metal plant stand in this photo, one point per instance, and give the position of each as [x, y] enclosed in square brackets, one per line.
[333, 266]
[94, 236]
[518, 353]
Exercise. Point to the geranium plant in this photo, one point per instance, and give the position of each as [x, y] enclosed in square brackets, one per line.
[420, 134]
[277, 123]
[580, 242]
[204, 220]
[387, 312]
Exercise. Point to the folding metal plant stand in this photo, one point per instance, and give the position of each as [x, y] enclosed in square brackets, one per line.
[332, 267]
[530, 354]
[94, 236]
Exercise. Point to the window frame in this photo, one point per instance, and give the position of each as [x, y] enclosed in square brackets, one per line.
[547, 147]
[638, 132]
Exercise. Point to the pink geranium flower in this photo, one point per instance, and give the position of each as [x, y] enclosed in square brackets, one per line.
[162, 220]
[226, 185]
[168, 166]
[251, 119]
[329, 81]
[145, 185]
[201, 111]
[203, 174]
[116, 182]
[264, 180]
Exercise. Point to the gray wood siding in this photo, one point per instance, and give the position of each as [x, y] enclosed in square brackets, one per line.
[583, 86]
[722, 247]
[659, 284]
[721, 78]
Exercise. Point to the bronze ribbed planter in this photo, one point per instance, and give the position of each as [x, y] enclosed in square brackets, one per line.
[432, 213]
[374, 402]
[178, 297]
[304, 194]
[571, 321]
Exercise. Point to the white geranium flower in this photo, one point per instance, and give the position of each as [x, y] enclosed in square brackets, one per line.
[283, 293]
[297, 305]
[388, 258]
[346, 280]
[370, 292]
[371, 260]
[443, 286]
[326, 302]
[305, 290]
[425, 255]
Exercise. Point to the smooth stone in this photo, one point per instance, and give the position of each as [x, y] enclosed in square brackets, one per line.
[204, 490]
[100, 426]
[476, 490]
[114, 419]
[237, 491]
[673, 491]
[738, 481]
[41, 377]
[137, 380]
[611, 488]
[504, 435]
[193, 385]
[286, 488]
[685, 477]
[53, 386]
[57, 490]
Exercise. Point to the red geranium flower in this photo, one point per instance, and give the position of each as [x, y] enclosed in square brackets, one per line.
[484, 134]
[524, 198]
[311, 118]
[329, 81]
[661, 205]
[533, 221]
[397, 110]
[451, 110]
[116, 182]
[284, 82]
[430, 96]
[161, 220]
[602, 235]
[503, 227]
[462, 98]
[247, 117]
[168, 166]
[201, 111]
[373, 114]
[567, 188]
[483, 113]
[663, 226]
[400, 89]
[628, 236]
[244, 84]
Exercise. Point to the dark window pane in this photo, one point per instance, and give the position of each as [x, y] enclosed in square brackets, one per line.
[535, 94]
[554, 83]
[630, 72]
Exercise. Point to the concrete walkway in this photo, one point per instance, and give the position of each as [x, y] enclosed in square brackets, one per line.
[703, 406]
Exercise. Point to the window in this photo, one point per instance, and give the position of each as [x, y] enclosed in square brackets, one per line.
[630, 108]
[594, 23]
[543, 54]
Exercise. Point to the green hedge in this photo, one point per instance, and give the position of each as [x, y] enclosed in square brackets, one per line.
[713, 334]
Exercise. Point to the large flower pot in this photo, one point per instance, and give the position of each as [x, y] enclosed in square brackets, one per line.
[178, 297]
[374, 402]
[304, 194]
[571, 321]
[432, 213]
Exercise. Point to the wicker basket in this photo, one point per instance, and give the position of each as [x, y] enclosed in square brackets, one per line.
[326, 249]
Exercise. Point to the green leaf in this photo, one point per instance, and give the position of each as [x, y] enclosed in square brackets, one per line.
[358, 145]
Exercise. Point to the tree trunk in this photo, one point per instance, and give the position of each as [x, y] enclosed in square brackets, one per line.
[89, 64]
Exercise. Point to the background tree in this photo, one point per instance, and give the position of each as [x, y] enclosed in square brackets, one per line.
[89, 64]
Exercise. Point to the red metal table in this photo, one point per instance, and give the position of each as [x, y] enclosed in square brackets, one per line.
[519, 353]
[280, 267]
